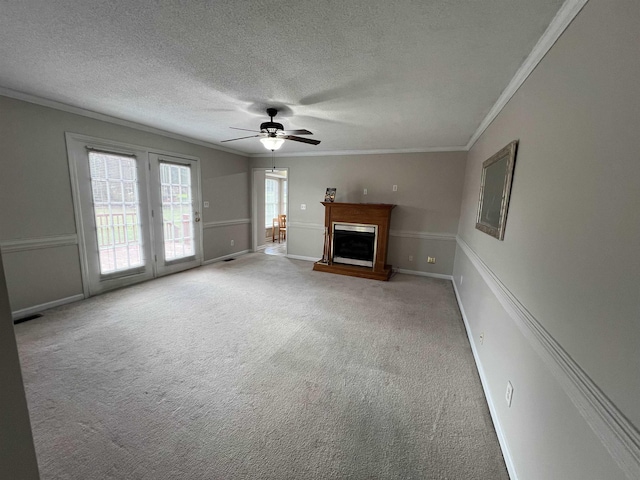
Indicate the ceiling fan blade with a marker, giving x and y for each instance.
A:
(245, 130)
(241, 138)
(297, 132)
(300, 139)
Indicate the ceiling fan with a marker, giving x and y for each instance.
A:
(273, 134)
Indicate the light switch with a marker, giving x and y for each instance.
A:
(395, 188)
(206, 204)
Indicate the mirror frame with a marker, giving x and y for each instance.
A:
(508, 152)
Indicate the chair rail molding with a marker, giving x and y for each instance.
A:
(226, 223)
(422, 235)
(36, 243)
(307, 225)
(618, 435)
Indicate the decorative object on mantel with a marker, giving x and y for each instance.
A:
(495, 189)
(330, 195)
(356, 240)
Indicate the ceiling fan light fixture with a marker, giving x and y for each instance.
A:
(272, 143)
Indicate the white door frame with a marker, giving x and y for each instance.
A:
(76, 152)
(255, 222)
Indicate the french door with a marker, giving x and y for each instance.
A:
(138, 212)
(175, 214)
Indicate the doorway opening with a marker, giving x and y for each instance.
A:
(270, 207)
(275, 207)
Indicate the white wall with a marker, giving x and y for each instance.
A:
(570, 258)
(37, 226)
(424, 223)
(17, 454)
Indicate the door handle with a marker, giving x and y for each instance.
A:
(197, 219)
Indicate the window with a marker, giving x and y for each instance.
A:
(114, 184)
(272, 201)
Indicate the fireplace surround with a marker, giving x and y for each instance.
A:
(358, 239)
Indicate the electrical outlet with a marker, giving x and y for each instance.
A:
(233, 242)
(482, 338)
(509, 394)
(206, 204)
(431, 259)
(411, 258)
(395, 188)
(303, 206)
(365, 191)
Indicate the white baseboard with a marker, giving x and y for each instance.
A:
(25, 312)
(423, 274)
(504, 446)
(261, 247)
(224, 257)
(306, 259)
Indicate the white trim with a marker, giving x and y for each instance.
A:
(618, 435)
(362, 152)
(226, 223)
(423, 274)
(260, 248)
(307, 225)
(224, 257)
(558, 25)
(502, 439)
(422, 235)
(25, 312)
(26, 97)
(36, 243)
(300, 257)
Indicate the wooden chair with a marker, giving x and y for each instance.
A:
(282, 227)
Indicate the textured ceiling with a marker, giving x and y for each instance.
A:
(360, 74)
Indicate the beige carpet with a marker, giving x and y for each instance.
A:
(259, 368)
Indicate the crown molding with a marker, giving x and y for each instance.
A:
(359, 152)
(558, 25)
(26, 97)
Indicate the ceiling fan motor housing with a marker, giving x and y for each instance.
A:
(270, 127)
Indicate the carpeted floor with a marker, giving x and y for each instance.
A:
(259, 368)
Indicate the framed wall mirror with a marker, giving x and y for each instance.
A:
(495, 189)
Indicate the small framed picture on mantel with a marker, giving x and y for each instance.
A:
(330, 195)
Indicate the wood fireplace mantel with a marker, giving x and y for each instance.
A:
(363, 213)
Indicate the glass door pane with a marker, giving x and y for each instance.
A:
(116, 208)
(177, 211)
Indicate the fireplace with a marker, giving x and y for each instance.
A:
(356, 240)
(354, 244)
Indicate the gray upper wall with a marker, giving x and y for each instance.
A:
(427, 199)
(571, 252)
